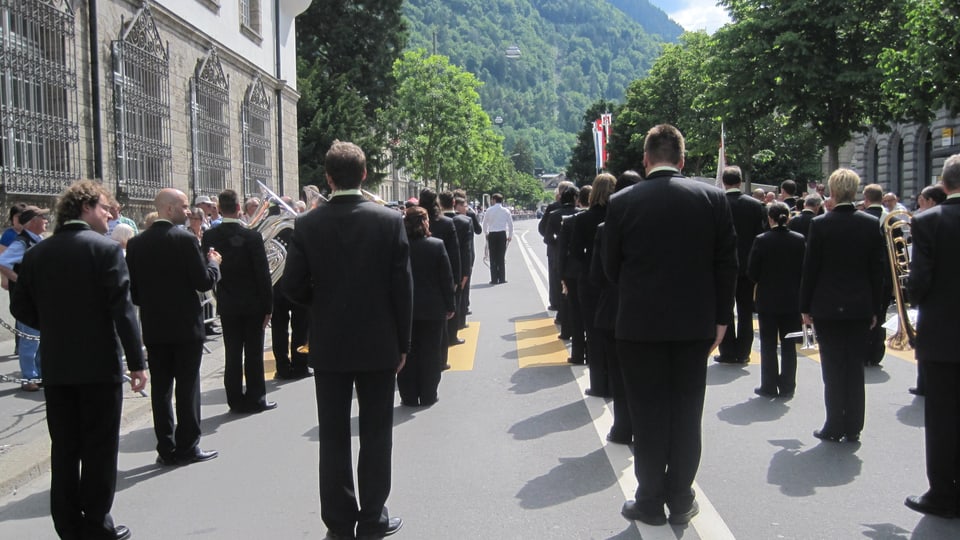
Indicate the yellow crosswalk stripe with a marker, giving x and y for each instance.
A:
(269, 365)
(537, 343)
(461, 357)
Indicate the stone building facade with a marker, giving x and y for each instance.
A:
(904, 159)
(195, 94)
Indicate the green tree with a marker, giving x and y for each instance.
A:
(522, 157)
(921, 75)
(346, 50)
(815, 62)
(441, 133)
(674, 92)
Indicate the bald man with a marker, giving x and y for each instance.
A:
(166, 271)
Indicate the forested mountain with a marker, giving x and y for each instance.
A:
(572, 54)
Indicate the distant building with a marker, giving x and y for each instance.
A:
(904, 160)
(195, 94)
(552, 180)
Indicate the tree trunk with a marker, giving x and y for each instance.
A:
(833, 158)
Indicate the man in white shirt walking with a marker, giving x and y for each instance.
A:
(498, 223)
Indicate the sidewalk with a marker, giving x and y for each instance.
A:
(24, 440)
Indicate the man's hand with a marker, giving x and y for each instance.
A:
(463, 282)
(138, 380)
(403, 361)
(214, 255)
(806, 318)
(266, 320)
(450, 314)
(873, 322)
(721, 330)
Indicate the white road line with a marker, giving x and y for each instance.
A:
(708, 523)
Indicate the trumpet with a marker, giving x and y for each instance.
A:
(808, 335)
(896, 232)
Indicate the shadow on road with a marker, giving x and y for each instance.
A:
(720, 374)
(754, 410)
(574, 477)
(800, 472)
(530, 380)
(567, 417)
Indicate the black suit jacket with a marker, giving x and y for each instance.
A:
(464, 227)
(433, 285)
(775, 263)
(933, 283)
(245, 287)
(350, 263)
(74, 287)
(166, 272)
(555, 220)
(801, 223)
(583, 235)
(443, 228)
(748, 218)
(672, 250)
(542, 224)
(843, 266)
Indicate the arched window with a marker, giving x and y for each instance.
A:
(141, 103)
(39, 133)
(209, 115)
(256, 139)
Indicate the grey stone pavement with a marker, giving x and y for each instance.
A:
(512, 450)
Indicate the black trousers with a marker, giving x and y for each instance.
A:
(665, 384)
(622, 428)
(420, 377)
(453, 325)
(84, 425)
(463, 305)
(243, 358)
(573, 322)
(589, 294)
(175, 369)
(340, 507)
(778, 376)
(877, 339)
(738, 340)
(843, 347)
(941, 410)
(285, 342)
(497, 244)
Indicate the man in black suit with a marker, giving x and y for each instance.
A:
(461, 207)
(464, 229)
(788, 194)
(568, 200)
(748, 218)
(166, 272)
(289, 325)
(75, 286)
(877, 345)
(676, 291)
(244, 301)
(934, 287)
(350, 262)
(811, 209)
(442, 227)
(553, 280)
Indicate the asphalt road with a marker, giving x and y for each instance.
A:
(512, 450)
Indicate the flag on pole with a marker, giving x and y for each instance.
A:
(599, 144)
(721, 159)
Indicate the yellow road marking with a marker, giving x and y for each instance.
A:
(269, 365)
(460, 357)
(537, 344)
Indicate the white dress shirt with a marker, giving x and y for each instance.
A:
(498, 219)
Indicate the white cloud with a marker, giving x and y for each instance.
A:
(694, 15)
(700, 15)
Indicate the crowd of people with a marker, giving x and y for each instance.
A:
(648, 275)
(685, 267)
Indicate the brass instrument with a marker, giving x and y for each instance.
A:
(896, 232)
(269, 225)
(808, 335)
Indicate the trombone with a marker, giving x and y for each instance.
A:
(896, 233)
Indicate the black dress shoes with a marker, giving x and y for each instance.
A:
(852, 437)
(198, 456)
(264, 406)
(721, 360)
(121, 532)
(923, 504)
(824, 436)
(573, 360)
(457, 341)
(765, 393)
(333, 535)
(679, 518)
(632, 511)
(596, 393)
(915, 391)
(166, 461)
(393, 525)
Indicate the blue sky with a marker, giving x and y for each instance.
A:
(694, 14)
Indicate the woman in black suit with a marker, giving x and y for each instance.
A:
(432, 305)
(774, 265)
(840, 294)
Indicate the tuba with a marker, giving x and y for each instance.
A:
(896, 232)
(270, 224)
